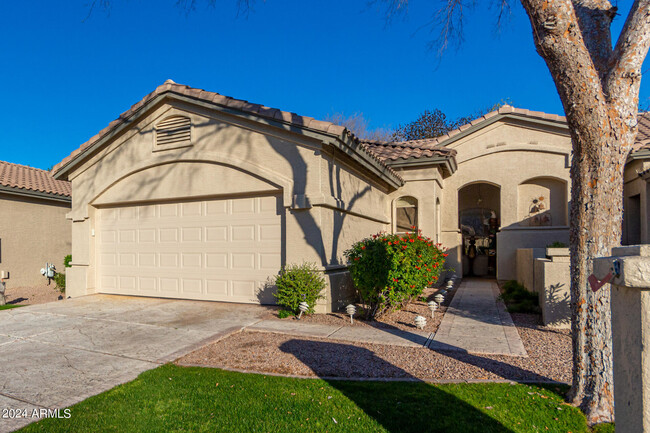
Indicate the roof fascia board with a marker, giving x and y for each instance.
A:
(498, 117)
(640, 154)
(319, 135)
(449, 162)
(34, 194)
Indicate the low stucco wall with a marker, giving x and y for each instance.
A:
(33, 232)
(526, 266)
(553, 283)
(509, 240)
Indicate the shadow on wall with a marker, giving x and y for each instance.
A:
(240, 142)
(557, 306)
(397, 407)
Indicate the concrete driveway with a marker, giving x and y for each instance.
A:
(57, 354)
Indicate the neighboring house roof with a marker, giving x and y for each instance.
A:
(32, 181)
(236, 105)
(643, 135)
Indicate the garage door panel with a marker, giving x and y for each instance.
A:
(220, 250)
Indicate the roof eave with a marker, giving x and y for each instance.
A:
(502, 116)
(383, 172)
(447, 161)
(34, 194)
(639, 154)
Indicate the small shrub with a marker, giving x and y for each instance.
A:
(389, 271)
(557, 244)
(299, 283)
(59, 277)
(283, 314)
(519, 299)
(59, 280)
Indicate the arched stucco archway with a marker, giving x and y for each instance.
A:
(479, 211)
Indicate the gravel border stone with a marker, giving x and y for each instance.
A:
(549, 358)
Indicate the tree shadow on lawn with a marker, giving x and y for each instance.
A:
(399, 406)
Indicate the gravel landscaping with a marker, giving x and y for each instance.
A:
(549, 357)
(402, 319)
(32, 294)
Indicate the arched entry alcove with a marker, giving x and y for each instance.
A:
(479, 213)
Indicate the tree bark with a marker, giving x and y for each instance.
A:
(599, 90)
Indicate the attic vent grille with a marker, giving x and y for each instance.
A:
(174, 131)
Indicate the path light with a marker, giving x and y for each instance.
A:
(443, 292)
(439, 298)
(450, 284)
(351, 310)
(303, 307)
(420, 322)
(433, 306)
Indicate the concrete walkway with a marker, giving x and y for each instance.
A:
(477, 322)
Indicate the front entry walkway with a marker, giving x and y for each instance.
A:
(478, 322)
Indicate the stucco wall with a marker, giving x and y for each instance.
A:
(636, 205)
(525, 265)
(32, 232)
(328, 200)
(424, 185)
(507, 154)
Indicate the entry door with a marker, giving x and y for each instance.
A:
(219, 250)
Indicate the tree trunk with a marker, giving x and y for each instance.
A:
(596, 221)
(599, 89)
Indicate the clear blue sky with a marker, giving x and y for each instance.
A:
(63, 78)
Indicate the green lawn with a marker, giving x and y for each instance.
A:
(9, 306)
(177, 399)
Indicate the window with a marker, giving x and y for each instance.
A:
(406, 214)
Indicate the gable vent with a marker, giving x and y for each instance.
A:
(174, 131)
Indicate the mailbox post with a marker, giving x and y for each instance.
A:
(630, 302)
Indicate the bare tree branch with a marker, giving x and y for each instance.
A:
(629, 53)
(595, 20)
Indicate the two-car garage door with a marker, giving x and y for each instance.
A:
(221, 250)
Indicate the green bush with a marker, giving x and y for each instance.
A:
(59, 280)
(557, 244)
(299, 283)
(283, 314)
(388, 271)
(59, 277)
(518, 298)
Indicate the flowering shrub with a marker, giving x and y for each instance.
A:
(299, 283)
(390, 270)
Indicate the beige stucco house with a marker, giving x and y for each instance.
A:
(191, 194)
(34, 229)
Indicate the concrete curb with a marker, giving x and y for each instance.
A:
(376, 379)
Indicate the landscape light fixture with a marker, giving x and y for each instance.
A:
(351, 310)
(433, 306)
(420, 322)
(303, 307)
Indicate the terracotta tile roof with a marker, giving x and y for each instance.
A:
(408, 149)
(235, 104)
(643, 134)
(32, 179)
